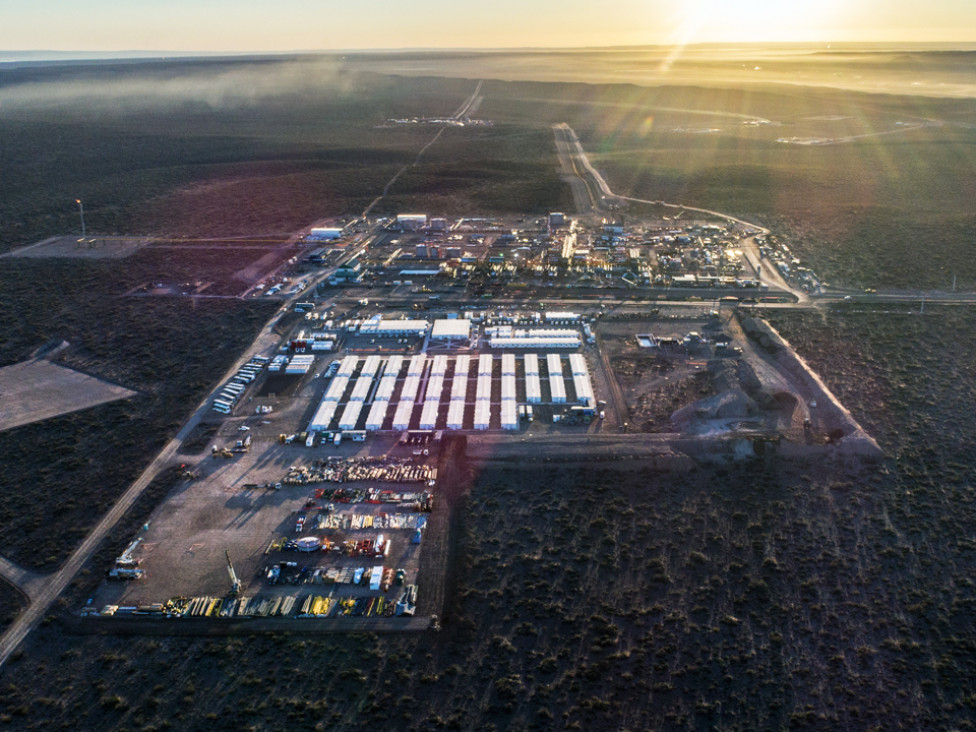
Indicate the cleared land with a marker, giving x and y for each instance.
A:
(36, 390)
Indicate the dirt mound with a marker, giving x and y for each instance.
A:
(730, 404)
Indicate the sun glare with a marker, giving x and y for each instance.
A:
(757, 20)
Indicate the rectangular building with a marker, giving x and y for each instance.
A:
(350, 416)
(459, 388)
(323, 416)
(376, 416)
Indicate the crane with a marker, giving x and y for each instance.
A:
(235, 583)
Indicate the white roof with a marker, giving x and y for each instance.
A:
(377, 414)
(485, 363)
(533, 388)
(401, 420)
(371, 366)
(393, 366)
(428, 417)
(448, 328)
(347, 366)
(455, 415)
(462, 364)
(440, 366)
(459, 388)
(484, 387)
(531, 363)
(401, 326)
(508, 363)
(434, 388)
(410, 386)
(508, 388)
(323, 416)
(578, 363)
(337, 388)
(500, 342)
(416, 367)
(555, 363)
(510, 419)
(384, 392)
(360, 389)
(350, 416)
(482, 415)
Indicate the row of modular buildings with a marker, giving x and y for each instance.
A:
(400, 393)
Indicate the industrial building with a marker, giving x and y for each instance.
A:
(411, 222)
(451, 329)
(324, 234)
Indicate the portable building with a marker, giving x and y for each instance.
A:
(428, 416)
(393, 366)
(348, 366)
(434, 388)
(350, 415)
(508, 387)
(557, 386)
(455, 415)
(484, 388)
(323, 416)
(401, 419)
(337, 388)
(533, 388)
(459, 387)
(384, 391)
(508, 364)
(376, 416)
(485, 363)
(510, 420)
(439, 367)
(410, 386)
(531, 363)
(482, 414)
(584, 389)
(577, 364)
(416, 367)
(370, 366)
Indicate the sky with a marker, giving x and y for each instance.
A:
(308, 25)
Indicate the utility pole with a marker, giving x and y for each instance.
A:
(81, 211)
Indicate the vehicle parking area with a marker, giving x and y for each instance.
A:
(304, 529)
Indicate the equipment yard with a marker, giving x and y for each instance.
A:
(285, 539)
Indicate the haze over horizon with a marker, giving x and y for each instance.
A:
(248, 26)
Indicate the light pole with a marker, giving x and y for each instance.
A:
(81, 211)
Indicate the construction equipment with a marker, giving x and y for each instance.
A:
(220, 452)
(125, 559)
(235, 583)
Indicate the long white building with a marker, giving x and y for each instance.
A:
(459, 387)
(557, 386)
